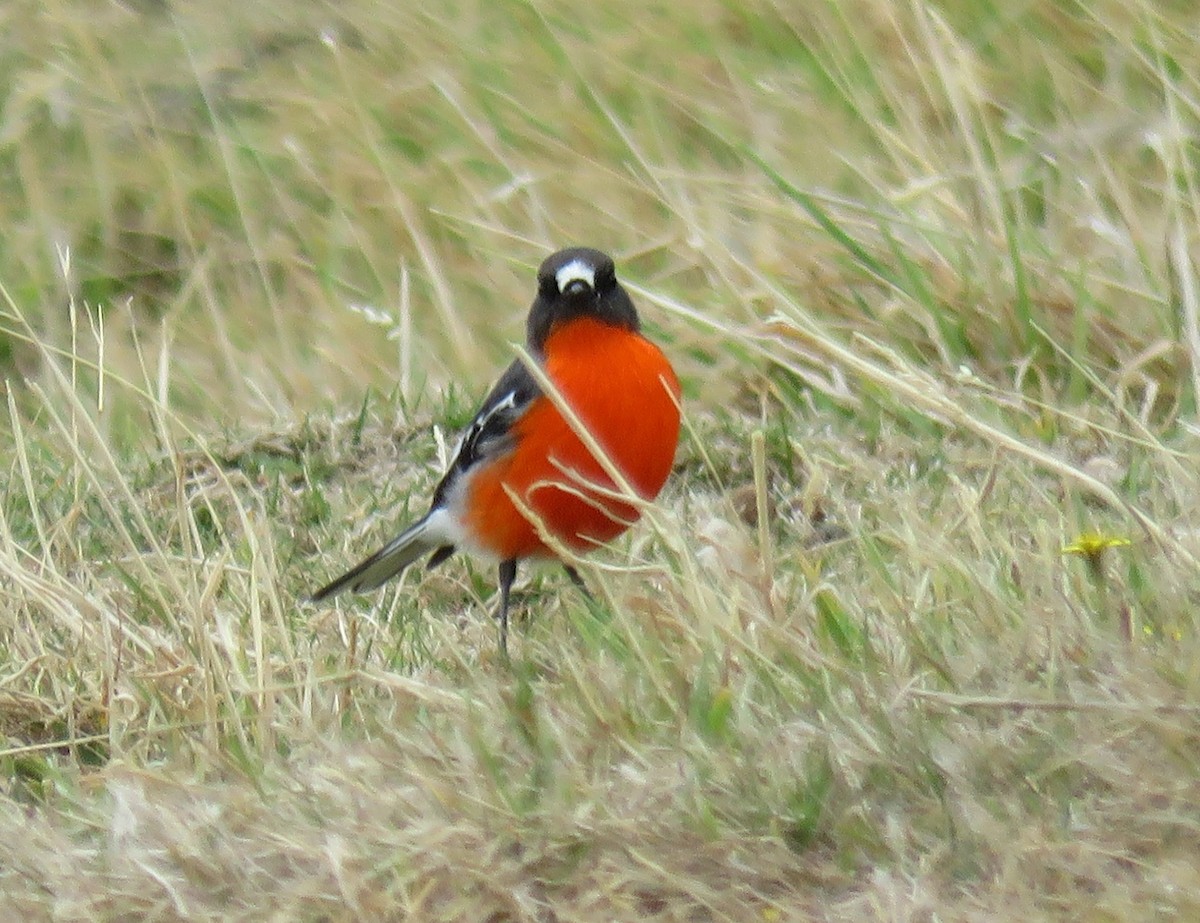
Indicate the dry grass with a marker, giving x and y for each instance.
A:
(928, 276)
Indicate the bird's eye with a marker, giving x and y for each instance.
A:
(606, 278)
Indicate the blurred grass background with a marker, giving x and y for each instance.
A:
(927, 271)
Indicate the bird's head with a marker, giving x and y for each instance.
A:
(578, 282)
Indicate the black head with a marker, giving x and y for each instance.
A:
(574, 283)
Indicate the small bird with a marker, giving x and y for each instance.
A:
(521, 474)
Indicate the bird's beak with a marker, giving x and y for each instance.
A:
(577, 287)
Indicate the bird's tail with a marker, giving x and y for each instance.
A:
(421, 537)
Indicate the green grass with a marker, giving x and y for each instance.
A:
(927, 273)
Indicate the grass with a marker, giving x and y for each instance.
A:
(912, 632)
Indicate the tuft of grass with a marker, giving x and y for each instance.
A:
(913, 625)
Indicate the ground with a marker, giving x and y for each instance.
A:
(912, 632)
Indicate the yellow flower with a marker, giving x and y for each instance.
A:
(1091, 547)
(1094, 544)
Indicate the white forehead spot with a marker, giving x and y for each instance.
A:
(575, 271)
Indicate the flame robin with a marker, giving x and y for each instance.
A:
(521, 472)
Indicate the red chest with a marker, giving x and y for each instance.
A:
(624, 391)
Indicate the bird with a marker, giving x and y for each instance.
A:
(521, 479)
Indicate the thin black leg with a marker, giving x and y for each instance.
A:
(578, 581)
(508, 573)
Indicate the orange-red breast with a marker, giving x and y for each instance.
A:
(584, 333)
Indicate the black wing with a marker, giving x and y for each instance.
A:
(490, 433)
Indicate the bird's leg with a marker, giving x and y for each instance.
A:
(508, 573)
(578, 581)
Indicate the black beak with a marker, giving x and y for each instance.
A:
(577, 287)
